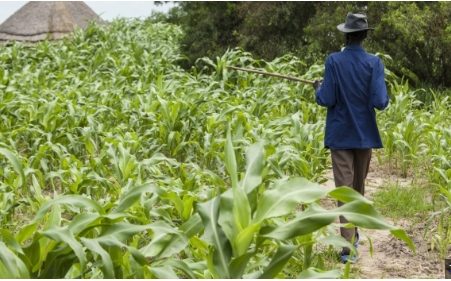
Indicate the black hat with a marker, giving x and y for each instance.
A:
(354, 22)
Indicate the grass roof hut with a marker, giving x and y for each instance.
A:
(37, 19)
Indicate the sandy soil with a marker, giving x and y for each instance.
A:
(392, 258)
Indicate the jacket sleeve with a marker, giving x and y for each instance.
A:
(325, 95)
(378, 88)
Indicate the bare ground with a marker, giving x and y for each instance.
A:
(392, 258)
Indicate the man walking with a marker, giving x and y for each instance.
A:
(353, 86)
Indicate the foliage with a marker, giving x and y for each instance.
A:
(322, 35)
(417, 35)
(272, 29)
(404, 202)
(209, 27)
(265, 29)
(123, 165)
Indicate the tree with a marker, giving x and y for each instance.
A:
(272, 29)
(209, 27)
(322, 35)
(266, 29)
(417, 35)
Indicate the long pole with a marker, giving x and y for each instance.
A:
(271, 74)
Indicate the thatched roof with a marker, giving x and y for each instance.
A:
(36, 19)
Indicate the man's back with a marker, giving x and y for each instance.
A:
(353, 86)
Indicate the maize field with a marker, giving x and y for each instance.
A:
(117, 163)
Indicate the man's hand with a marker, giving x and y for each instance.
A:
(317, 84)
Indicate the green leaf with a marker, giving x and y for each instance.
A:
(9, 260)
(94, 246)
(214, 235)
(401, 234)
(230, 160)
(11, 241)
(5, 273)
(311, 273)
(192, 226)
(63, 234)
(238, 265)
(241, 209)
(188, 207)
(122, 231)
(123, 215)
(16, 165)
(80, 221)
(369, 241)
(226, 217)
(346, 195)
(244, 239)
(253, 275)
(282, 200)
(12, 263)
(157, 158)
(25, 232)
(182, 266)
(337, 241)
(37, 188)
(126, 162)
(54, 217)
(178, 203)
(210, 264)
(198, 266)
(278, 261)
(164, 272)
(254, 167)
(88, 141)
(158, 243)
(135, 193)
(357, 212)
(224, 112)
(275, 167)
(180, 240)
(111, 241)
(307, 222)
(74, 200)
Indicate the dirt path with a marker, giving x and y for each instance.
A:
(392, 258)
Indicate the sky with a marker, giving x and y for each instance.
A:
(108, 10)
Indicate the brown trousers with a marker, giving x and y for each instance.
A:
(350, 167)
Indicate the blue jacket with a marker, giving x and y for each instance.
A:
(353, 86)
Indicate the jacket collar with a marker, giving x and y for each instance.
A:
(355, 48)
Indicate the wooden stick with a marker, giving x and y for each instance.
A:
(271, 74)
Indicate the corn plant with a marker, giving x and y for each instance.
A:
(123, 165)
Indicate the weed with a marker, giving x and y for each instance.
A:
(396, 201)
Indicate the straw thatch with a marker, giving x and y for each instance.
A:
(37, 19)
